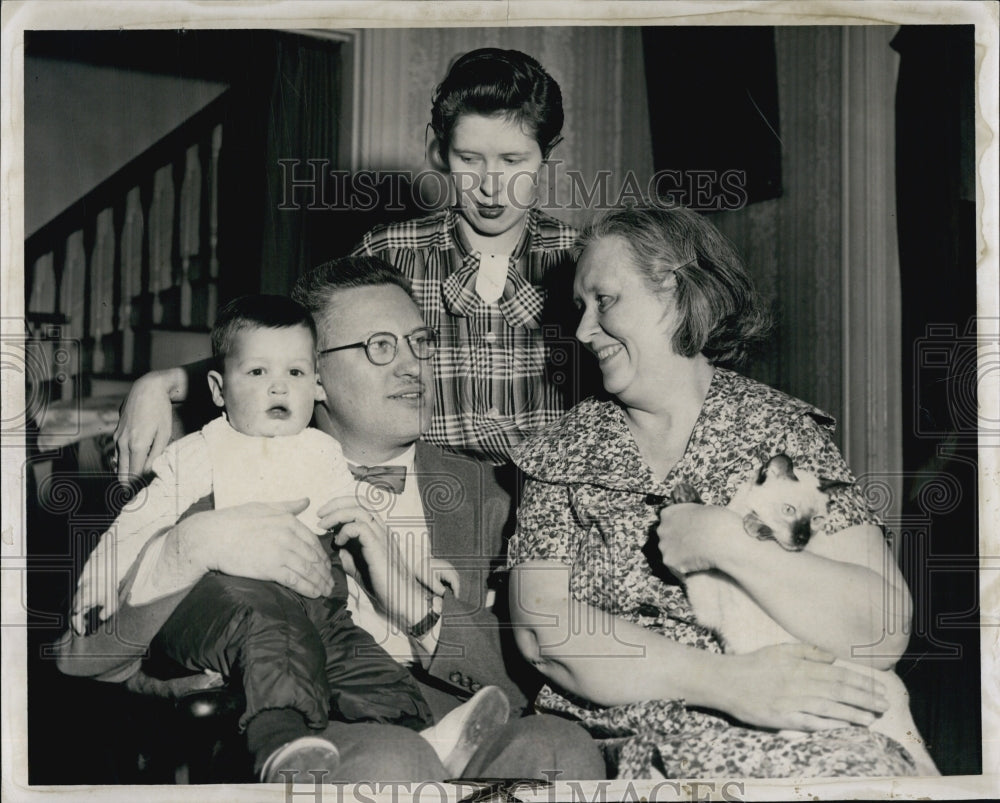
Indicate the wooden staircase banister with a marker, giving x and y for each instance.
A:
(136, 255)
(105, 194)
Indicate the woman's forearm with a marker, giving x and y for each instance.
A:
(172, 383)
(176, 382)
(146, 419)
(610, 661)
(851, 610)
(599, 656)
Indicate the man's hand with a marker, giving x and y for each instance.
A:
(145, 421)
(260, 541)
(797, 686)
(395, 587)
(695, 537)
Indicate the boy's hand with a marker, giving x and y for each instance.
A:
(442, 577)
(96, 588)
(92, 592)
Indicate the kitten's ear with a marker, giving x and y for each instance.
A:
(762, 474)
(763, 458)
(781, 466)
(828, 486)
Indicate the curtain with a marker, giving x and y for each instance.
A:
(713, 107)
(302, 126)
(936, 208)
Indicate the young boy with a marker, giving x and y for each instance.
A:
(262, 449)
(481, 270)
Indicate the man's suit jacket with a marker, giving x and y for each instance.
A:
(467, 513)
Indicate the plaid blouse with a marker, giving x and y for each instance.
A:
(502, 370)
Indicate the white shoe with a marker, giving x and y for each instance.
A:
(308, 759)
(462, 730)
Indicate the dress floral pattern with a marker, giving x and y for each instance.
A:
(591, 502)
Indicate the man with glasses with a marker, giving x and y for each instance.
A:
(373, 347)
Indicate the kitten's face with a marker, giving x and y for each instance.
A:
(792, 509)
(789, 504)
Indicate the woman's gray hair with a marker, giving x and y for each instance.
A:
(721, 315)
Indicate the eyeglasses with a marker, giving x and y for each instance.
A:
(381, 347)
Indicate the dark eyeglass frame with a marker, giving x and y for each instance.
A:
(366, 345)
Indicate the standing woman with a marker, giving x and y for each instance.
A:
(480, 269)
(665, 303)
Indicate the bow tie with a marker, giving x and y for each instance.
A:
(520, 304)
(389, 478)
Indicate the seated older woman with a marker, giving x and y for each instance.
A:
(665, 303)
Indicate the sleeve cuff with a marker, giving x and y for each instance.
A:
(426, 633)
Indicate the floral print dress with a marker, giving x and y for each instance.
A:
(591, 502)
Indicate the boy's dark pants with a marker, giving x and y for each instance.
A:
(300, 660)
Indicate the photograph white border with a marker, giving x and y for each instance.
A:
(303, 14)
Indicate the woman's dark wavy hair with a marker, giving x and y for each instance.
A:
(492, 81)
(721, 315)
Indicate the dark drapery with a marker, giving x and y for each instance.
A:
(288, 98)
(303, 125)
(713, 103)
(935, 186)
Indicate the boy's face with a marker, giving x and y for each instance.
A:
(269, 384)
(494, 164)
